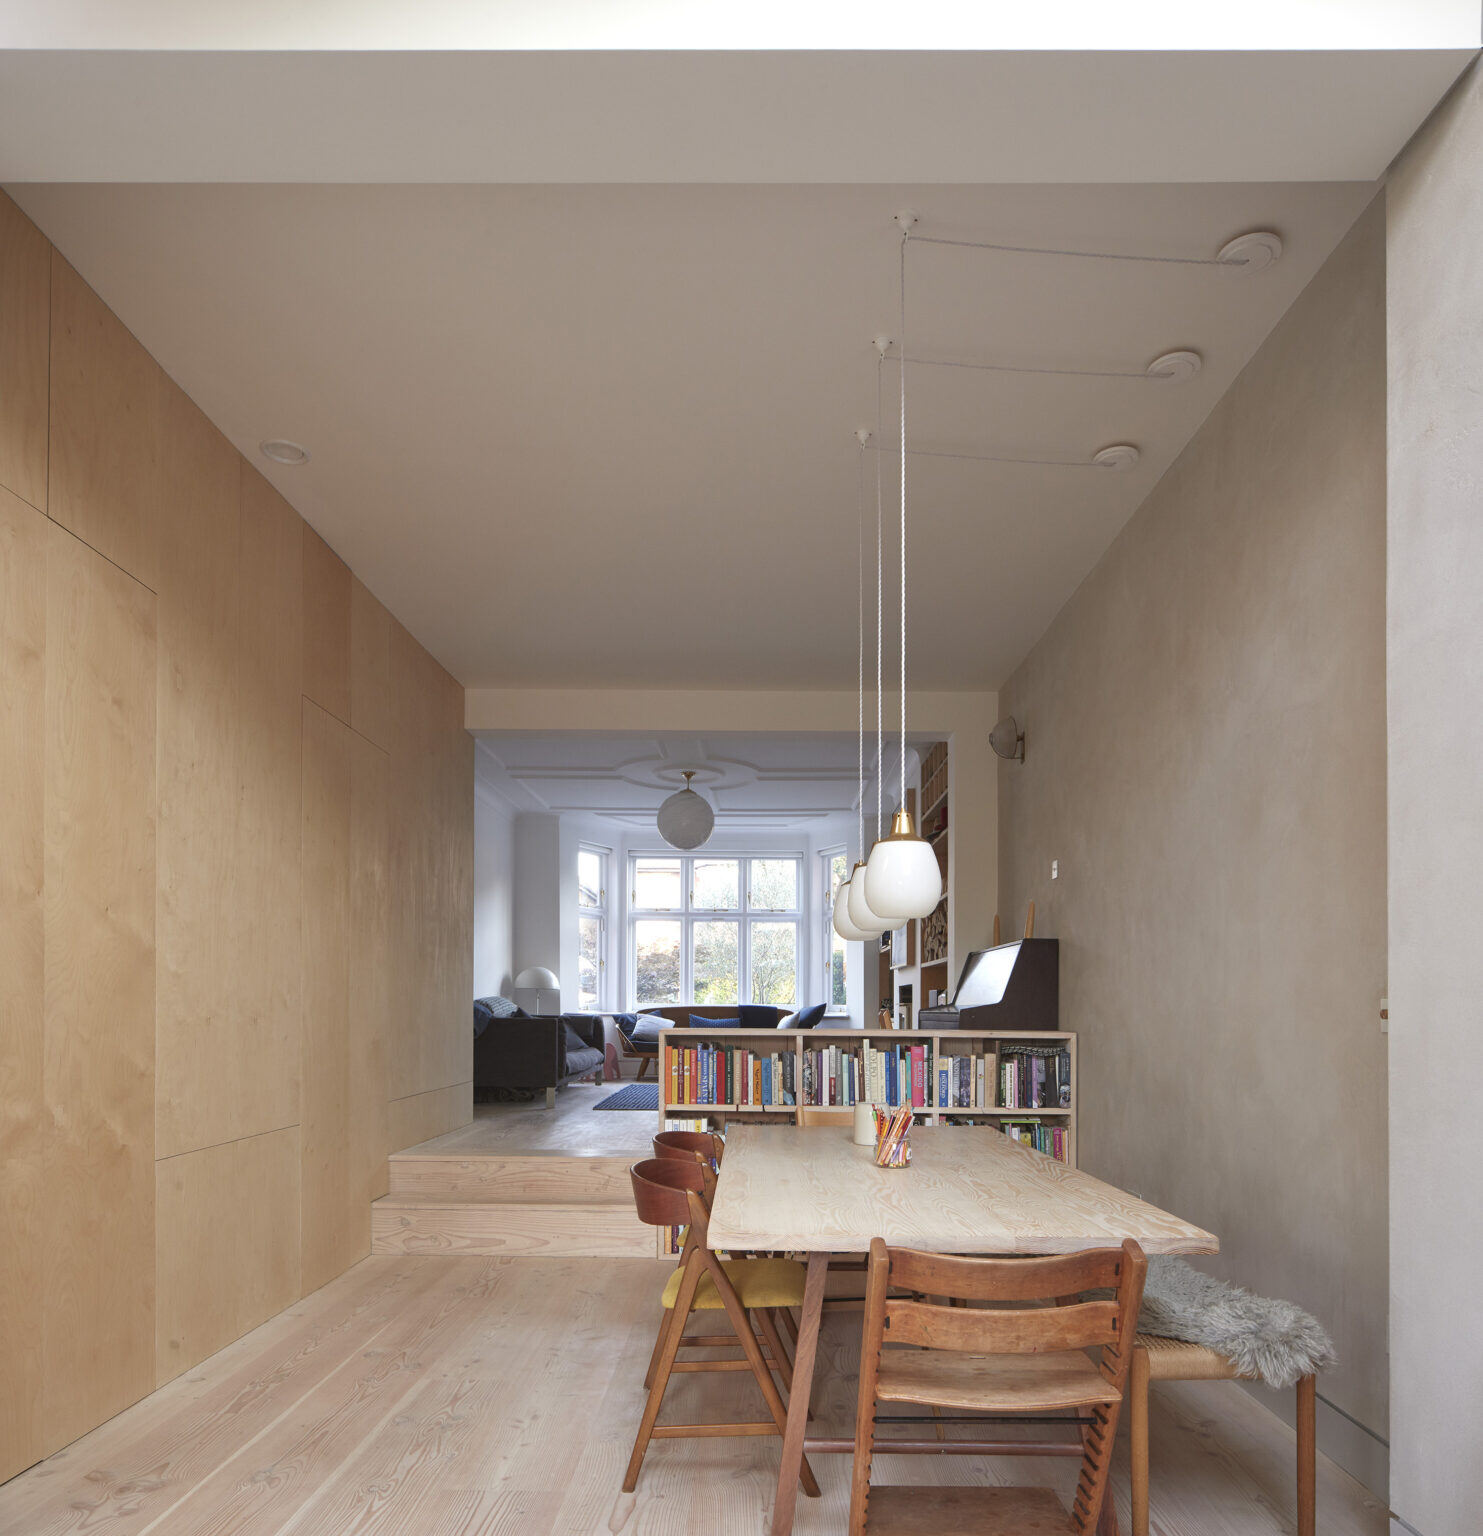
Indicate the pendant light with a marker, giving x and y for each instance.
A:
(685, 820)
(851, 891)
(902, 878)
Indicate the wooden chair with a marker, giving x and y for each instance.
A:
(1160, 1359)
(1020, 1360)
(670, 1192)
(702, 1147)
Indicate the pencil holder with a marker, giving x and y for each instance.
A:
(892, 1138)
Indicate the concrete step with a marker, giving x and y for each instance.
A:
(513, 1180)
(440, 1224)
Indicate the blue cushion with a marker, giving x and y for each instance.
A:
(757, 1015)
(805, 1018)
(488, 1009)
(696, 1022)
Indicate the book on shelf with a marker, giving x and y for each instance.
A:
(1053, 1139)
(1034, 1076)
(715, 1073)
(1042, 1136)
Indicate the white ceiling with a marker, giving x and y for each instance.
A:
(762, 24)
(587, 435)
(753, 782)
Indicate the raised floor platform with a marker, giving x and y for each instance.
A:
(521, 1180)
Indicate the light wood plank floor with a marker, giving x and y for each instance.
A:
(569, 1130)
(490, 1397)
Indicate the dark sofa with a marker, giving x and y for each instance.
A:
(540, 1051)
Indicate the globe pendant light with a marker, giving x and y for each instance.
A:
(685, 820)
(853, 920)
(902, 878)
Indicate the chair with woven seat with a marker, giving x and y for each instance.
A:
(1031, 1359)
(670, 1192)
(1160, 1359)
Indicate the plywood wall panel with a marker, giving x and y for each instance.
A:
(264, 977)
(325, 1094)
(24, 534)
(421, 1116)
(98, 1257)
(326, 627)
(25, 327)
(369, 992)
(203, 1056)
(370, 666)
(105, 429)
(227, 1244)
(432, 874)
(235, 878)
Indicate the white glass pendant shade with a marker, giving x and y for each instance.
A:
(902, 879)
(685, 820)
(842, 924)
(861, 913)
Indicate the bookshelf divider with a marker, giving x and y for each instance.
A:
(709, 1077)
(1023, 1083)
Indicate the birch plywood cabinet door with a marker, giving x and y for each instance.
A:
(24, 534)
(98, 1258)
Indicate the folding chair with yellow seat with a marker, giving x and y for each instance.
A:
(670, 1192)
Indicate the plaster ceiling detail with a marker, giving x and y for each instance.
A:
(777, 782)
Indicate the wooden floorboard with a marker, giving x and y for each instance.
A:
(572, 1129)
(483, 1396)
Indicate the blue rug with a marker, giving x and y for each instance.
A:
(633, 1096)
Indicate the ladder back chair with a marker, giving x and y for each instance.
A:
(1005, 1359)
(670, 1192)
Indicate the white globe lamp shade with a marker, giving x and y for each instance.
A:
(842, 924)
(685, 820)
(902, 879)
(861, 914)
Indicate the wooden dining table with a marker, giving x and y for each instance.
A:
(967, 1190)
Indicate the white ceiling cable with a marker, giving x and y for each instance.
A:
(1153, 374)
(860, 619)
(1051, 250)
(905, 237)
(880, 810)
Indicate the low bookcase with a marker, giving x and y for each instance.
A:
(1024, 1085)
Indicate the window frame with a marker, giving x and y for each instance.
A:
(604, 857)
(688, 915)
(831, 940)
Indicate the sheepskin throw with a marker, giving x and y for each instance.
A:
(1273, 1341)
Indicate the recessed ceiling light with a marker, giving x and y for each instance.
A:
(281, 451)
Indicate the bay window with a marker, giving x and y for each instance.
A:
(713, 929)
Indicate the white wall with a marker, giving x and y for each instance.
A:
(536, 895)
(494, 878)
(1434, 605)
